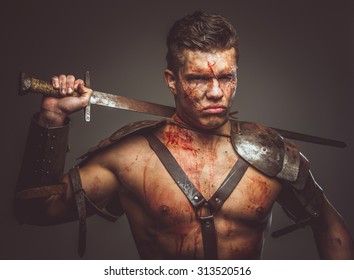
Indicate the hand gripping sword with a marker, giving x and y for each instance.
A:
(29, 84)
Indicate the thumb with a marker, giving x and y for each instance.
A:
(84, 92)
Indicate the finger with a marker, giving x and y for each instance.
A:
(55, 82)
(70, 79)
(77, 83)
(62, 84)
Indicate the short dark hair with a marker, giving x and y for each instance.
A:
(199, 31)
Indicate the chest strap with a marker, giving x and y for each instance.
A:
(195, 198)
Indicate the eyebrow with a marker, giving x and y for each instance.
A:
(209, 75)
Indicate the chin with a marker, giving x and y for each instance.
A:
(211, 123)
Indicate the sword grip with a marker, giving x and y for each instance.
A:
(29, 84)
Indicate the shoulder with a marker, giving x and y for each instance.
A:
(127, 135)
(266, 150)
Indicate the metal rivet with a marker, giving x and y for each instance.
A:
(264, 149)
(52, 148)
(217, 200)
(196, 197)
(207, 224)
(53, 136)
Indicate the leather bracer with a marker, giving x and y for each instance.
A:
(43, 162)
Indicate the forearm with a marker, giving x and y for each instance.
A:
(50, 118)
(332, 235)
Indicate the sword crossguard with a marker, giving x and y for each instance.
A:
(87, 111)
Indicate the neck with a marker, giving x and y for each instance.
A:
(179, 134)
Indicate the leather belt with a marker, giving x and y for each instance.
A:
(196, 199)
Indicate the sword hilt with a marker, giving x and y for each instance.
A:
(29, 84)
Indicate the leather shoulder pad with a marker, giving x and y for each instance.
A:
(266, 150)
(130, 129)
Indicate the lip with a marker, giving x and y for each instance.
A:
(214, 109)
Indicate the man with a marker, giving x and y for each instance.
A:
(198, 185)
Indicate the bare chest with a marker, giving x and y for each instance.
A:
(249, 202)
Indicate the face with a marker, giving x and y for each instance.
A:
(204, 87)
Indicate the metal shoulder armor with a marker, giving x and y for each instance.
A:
(266, 150)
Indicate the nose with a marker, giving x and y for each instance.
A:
(214, 91)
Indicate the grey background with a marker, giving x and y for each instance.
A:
(295, 72)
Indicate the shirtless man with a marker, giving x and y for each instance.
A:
(166, 223)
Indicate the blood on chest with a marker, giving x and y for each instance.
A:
(168, 205)
(253, 198)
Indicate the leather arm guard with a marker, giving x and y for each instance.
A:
(41, 176)
(43, 162)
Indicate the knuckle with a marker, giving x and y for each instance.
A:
(62, 80)
(55, 81)
(70, 78)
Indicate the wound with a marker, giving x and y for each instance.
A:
(210, 66)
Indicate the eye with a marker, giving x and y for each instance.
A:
(227, 78)
(197, 79)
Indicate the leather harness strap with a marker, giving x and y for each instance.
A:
(82, 201)
(79, 194)
(195, 197)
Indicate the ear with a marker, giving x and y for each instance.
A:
(170, 80)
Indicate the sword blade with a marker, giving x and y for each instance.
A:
(125, 103)
(29, 84)
(310, 138)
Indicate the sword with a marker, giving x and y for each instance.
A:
(29, 84)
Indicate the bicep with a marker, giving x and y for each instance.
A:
(99, 183)
(100, 186)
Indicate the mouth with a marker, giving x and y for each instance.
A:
(214, 109)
